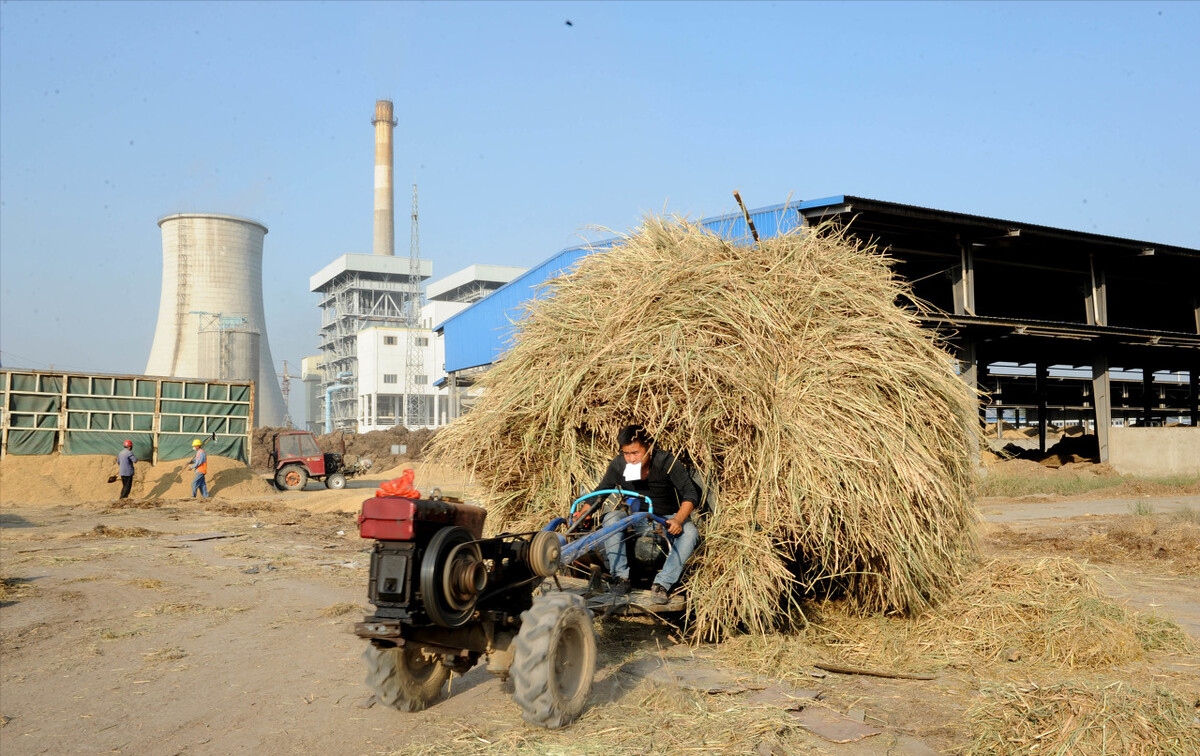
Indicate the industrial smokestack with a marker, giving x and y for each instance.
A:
(385, 237)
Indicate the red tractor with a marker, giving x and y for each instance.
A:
(296, 457)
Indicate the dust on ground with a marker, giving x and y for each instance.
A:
(123, 633)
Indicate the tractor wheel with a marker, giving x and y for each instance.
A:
(291, 478)
(555, 660)
(336, 481)
(402, 678)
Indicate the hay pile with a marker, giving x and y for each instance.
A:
(829, 426)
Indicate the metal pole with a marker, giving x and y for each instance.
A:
(1043, 374)
(1103, 402)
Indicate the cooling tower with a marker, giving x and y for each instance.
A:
(212, 272)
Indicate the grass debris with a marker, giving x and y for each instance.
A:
(1082, 720)
(106, 531)
(1043, 613)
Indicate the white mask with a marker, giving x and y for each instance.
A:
(633, 472)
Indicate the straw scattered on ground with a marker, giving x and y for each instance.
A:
(650, 720)
(1161, 542)
(829, 427)
(1040, 612)
(1037, 614)
(1081, 720)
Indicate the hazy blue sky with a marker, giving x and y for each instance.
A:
(523, 131)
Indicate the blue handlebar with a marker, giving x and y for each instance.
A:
(605, 492)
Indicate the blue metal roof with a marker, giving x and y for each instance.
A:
(480, 334)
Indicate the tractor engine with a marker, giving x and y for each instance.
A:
(427, 566)
(445, 596)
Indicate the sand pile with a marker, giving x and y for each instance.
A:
(57, 478)
(829, 426)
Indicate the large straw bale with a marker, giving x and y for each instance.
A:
(829, 426)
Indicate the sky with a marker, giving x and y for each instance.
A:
(526, 133)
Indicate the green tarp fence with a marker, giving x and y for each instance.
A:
(171, 446)
(109, 443)
(23, 442)
(97, 413)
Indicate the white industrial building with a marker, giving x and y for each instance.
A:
(378, 355)
(383, 361)
(359, 292)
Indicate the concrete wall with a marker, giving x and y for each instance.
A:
(1155, 451)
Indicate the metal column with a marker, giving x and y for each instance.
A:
(964, 281)
(1043, 374)
(1147, 395)
(1103, 402)
(1194, 398)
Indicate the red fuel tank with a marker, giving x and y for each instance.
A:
(396, 519)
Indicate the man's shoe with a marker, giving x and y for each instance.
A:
(659, 595)
(619, 587)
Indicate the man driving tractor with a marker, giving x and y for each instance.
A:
(658, 474)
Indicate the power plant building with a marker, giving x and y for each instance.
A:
(380, 363)
(211, 323)
(384, 394)
(358, 292)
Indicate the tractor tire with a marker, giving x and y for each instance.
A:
(291, 478)
(335, 481)
(555, 660)
(402, 678)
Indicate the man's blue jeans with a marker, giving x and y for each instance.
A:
(681, 549)
(199, 483)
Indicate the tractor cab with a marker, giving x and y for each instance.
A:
(296, 457)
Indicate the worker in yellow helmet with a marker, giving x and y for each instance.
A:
(199, 463)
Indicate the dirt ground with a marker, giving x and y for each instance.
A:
(173, 626)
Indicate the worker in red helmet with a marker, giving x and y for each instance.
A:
(125, 462)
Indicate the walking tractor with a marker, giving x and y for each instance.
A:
(445, 596)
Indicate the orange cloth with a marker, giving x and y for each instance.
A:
(202, 468)
(401, 487)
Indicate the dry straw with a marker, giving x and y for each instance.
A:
(1080, 720)
(827, 423)
(1036, 612)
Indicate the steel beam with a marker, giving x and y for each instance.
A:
(1043, 376)
(1147, 395)
(1101, 386)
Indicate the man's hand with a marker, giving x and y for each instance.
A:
(675, 524)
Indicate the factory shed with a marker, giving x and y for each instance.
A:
(1057, 327)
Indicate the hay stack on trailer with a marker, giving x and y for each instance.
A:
(830, 428)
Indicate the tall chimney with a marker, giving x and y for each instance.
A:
(385, 238)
